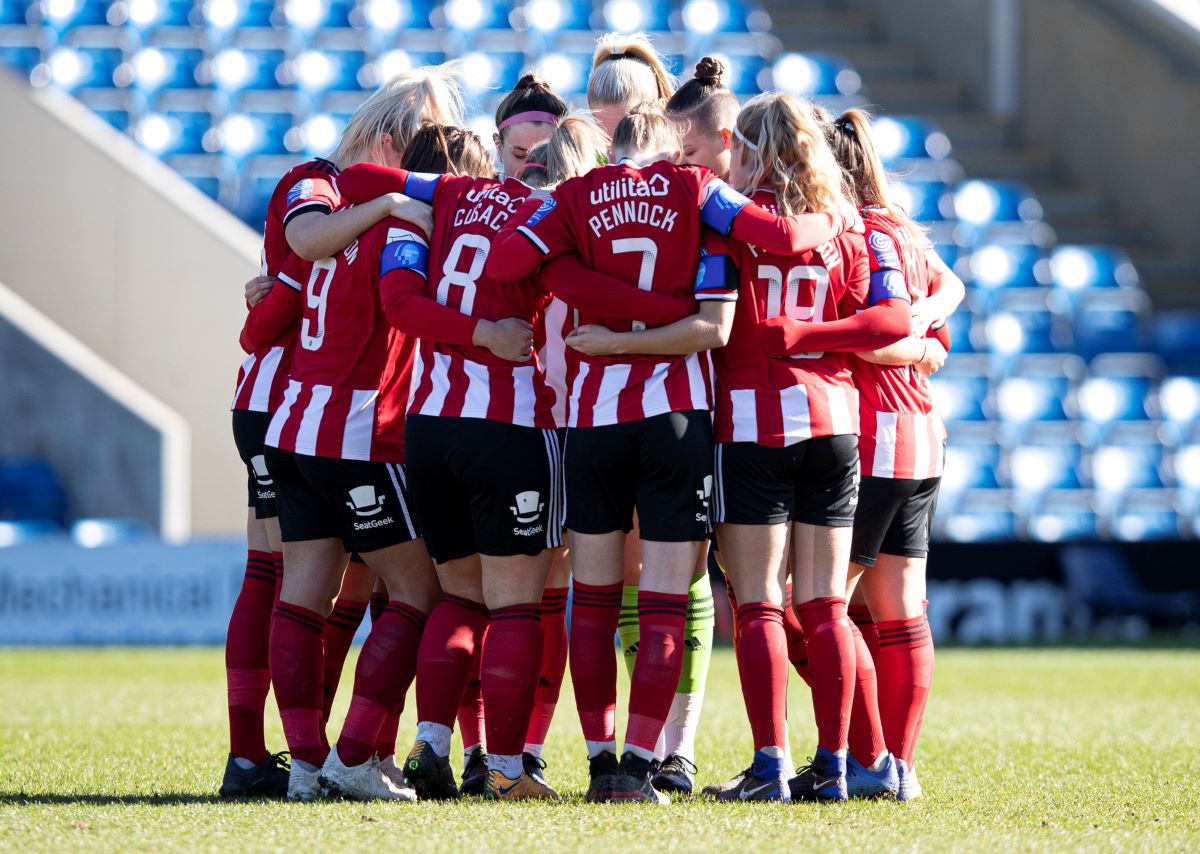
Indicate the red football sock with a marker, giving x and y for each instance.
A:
(385, 745)
(340, 627)
(733, 609)
(860, 615)
(797, 647)
(866, 732)
(386, 667)
(905, 674)
(762, 667)
(554, 663)
(452, 633)
(831, 660)
(247, 665)
(470, 707)
(379, 601)
(595, 609)
(661, 620)
(508, 674)
(296, 673)
(277, 559)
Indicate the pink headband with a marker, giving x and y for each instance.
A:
(548, 118)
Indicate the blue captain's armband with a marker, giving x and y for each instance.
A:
(722, 206)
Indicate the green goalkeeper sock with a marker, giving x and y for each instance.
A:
(697, 636)
(627, 626)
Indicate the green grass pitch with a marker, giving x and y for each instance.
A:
(122, 749)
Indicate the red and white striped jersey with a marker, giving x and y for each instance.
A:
(639, 224)
(308, 187)
(461, 380)
(902, 434)
(557, 359)
(780, 401)
(351, 373)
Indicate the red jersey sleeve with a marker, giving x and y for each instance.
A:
(274, 313)
(402, 289)
(544, 232)
(582, 288)
(311, 193)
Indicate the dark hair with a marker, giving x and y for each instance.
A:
(446, 148)
(705, 99)
(532, 94)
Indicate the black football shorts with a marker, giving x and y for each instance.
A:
(661, 465)
(249, 434)
(893, 517)
(364, 504)
(484, 486)
(814, 482)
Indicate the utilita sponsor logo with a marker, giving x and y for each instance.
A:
(374, 523)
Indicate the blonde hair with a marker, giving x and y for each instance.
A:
(853, 144)
(646, 128)
(399, 107)
(535, 173)
(577, 146)
(785, 146)
(626, 69)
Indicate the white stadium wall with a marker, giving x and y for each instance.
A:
(141, 267)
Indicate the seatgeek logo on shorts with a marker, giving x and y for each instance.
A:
(704, 495)
(364, 502)
(528, 507)
(260, 471)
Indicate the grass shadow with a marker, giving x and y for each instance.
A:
(88, 799)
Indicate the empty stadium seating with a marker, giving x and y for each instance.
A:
(1073, 411)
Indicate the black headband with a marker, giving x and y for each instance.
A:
(626, 55)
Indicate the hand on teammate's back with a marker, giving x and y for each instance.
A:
(418, 213)
(510, 338)
(257, 288)
(925, 313)
(592, 339)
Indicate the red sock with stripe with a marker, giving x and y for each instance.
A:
(661, 621)
(508, 675)
(554, 665)
(296, 667)
(830, 644)
(385, 745)
(470, 707)
(386, 667)
(340, 627)
(452, 633)
(796, 645)
(866, 732)
(762, 667)
(277, 559)
(733, 609)
(247, 662)
(905, 674)
(595, 609)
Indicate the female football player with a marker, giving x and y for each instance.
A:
(902, 449)
(639, 427)
(626, 71)
(304, 195)
(485, 472)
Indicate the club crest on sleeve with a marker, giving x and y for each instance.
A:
(300, 191)
(541, 212)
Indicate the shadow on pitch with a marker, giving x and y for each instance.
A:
(164, 799)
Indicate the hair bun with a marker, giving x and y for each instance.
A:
(710, 70)
(531, 81)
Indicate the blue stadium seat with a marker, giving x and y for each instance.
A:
(1145, 514)
(1023, 321)
(68, 14)
(119, 119)
(981, 203)
(627, 16)
(1035, 468)
(1120, 388)
(1108, 320)
(1015, 265)
(744, 72)
(165, 68)
(80, 68)
(208, 173)
(899, 139)
(568, 70)
(982, 515)
(324, 70)
(962, 327)
(1063, 515)
(551, 16)
(175, 132)
(29, 489)
(1179, 404)
(491, 72)
(1075, 268)
(235, 69)
(153, 14)
(12, 12)
(470, 15)
(960, 396)
(1177, 340)
(25, 58)
(1114, 469)
(972, 458)
(20, 533)
(97, 533)
(814, 75)
(924, 201)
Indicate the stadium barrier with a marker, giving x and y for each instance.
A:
(57, 593)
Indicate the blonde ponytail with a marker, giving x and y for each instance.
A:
(577, 146)
(398, 108)
(646, 128)
(626, 69)
(785, 147)
(853, 144)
